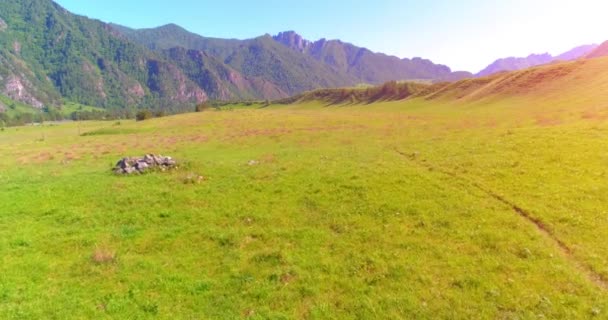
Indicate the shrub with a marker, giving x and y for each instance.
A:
(143, 115)
(202, 107)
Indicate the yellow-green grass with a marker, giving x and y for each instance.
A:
(488, 208)
(69, 107)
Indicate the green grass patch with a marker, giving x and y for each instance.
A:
(111, 131)
(308, 211)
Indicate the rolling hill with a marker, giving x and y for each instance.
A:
(578, 81)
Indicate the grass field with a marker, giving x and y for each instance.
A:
(428, 209)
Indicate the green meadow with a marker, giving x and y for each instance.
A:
(407, 209)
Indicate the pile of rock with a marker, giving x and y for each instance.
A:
(133, 165)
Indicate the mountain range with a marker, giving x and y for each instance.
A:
(49, 56)
(292, 63)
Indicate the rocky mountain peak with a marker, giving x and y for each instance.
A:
(292, 40)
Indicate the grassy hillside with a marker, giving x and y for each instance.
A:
(579, 81)
(482, 199)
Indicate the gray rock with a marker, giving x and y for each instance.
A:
(149, 159)
(158, 160)
(142, 166)
(133, 165)
(129, 170)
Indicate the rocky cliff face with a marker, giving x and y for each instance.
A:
(17, 89)
(20, 83)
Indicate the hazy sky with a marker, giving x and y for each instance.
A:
(464, 34)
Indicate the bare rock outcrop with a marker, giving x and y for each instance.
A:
(16, 88)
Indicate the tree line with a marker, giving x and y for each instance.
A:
(49, 114)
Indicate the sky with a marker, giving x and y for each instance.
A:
(463, 34)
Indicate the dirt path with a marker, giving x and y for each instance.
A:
(598, 279)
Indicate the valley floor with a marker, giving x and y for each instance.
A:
(414, 209)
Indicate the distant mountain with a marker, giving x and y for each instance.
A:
(219, 80)
(171, 36)
(294, 63)
(363, 64)
(600, 51)
(514, 64)
(260, 58)
(576, 53)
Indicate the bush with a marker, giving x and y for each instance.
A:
(202, 107)
(143, 115)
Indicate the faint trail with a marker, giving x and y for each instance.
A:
(598, 279)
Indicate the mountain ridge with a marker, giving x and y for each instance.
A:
(365, 64)
(533, 60)
(600, 51)
(351, 64)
